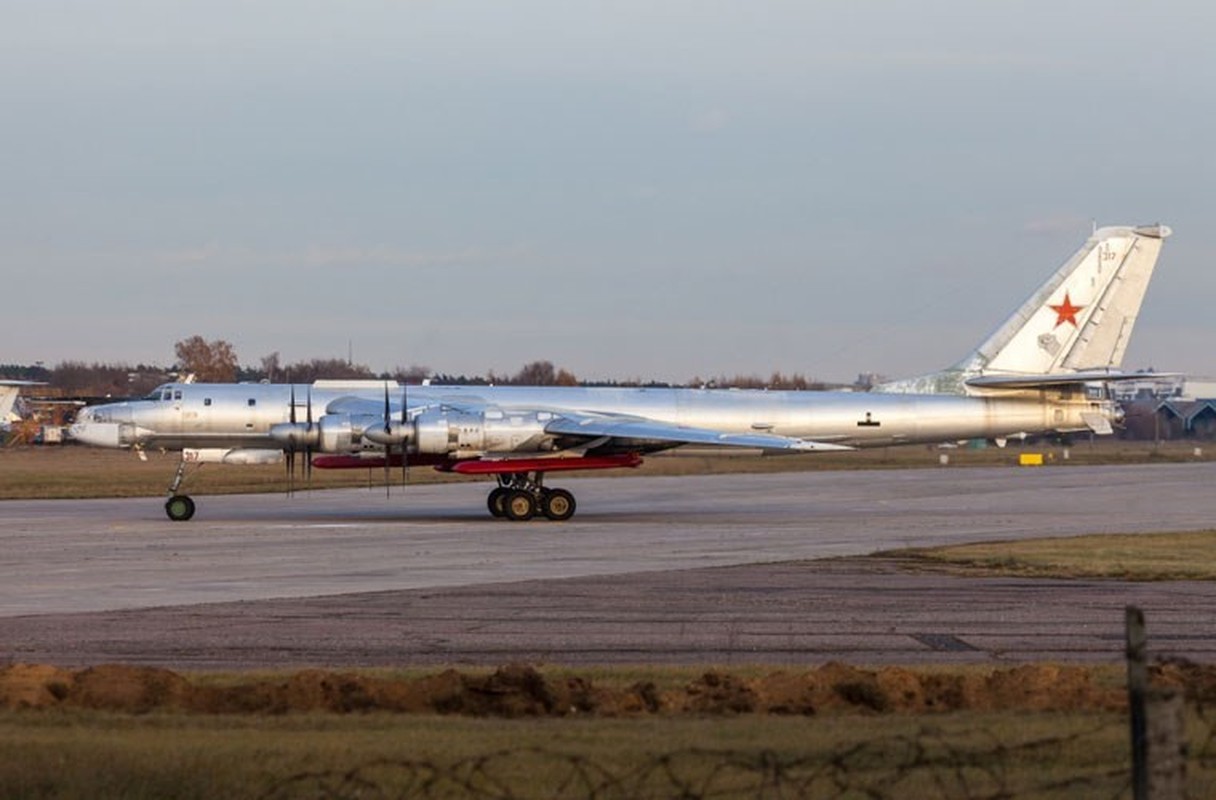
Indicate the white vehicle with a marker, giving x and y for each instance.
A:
(1044, 370)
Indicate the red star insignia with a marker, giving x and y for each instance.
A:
(1066, 311)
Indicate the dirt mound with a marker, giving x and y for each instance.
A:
(1196, 681)
(522, 691)
(33, 686)
(122, 688)
(840, 687)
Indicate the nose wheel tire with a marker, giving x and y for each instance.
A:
(179, 507)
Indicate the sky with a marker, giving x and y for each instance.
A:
(655, 190)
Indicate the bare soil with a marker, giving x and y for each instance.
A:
(523, 691)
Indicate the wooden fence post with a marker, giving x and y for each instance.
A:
(1137, 688)
(1166, 744)
(1158, 724)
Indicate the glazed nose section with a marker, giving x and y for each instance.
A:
(103, 426)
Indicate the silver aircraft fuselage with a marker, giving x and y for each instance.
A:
(185, 415)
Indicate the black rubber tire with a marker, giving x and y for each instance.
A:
(557, 504)
(179, 508)
(497, 501)
(520, 506)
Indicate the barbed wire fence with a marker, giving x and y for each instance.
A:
(922, 765)
(931, 762)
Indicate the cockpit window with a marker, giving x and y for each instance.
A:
(167, 394)
(177, 394)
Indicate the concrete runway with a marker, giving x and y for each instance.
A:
(708, 569)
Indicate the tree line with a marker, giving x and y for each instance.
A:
(216, 361)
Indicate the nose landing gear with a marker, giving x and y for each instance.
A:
(179, 507)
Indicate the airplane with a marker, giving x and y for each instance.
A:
(1044, 370)
(10, 392)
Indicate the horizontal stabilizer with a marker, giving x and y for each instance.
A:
(1062, 379)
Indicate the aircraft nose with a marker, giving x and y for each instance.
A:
(101, 426)
(110, 413)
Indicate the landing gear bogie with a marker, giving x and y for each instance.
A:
(522, 496)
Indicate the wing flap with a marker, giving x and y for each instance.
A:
(634, 428)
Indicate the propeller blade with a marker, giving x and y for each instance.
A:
(387, 429)
(405, 420)
(290, 460)
(308, 441)
(388, 448)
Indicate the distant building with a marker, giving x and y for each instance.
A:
(1168, 408)
(1169, 420)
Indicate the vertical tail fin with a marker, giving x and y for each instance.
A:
(1080, 320)
(8, 397)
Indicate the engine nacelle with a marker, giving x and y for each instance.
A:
(337, 434)
(295, 435)
(457, 433)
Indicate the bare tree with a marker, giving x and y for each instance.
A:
(270, 365)
(210, 362)
(414, 373)
(536, 373)
(332, 368)
(109, 380)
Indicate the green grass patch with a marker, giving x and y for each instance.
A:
(91, 755)
(1133, 556)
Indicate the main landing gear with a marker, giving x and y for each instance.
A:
(519, 497)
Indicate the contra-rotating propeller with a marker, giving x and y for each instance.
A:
(388, 432)
(293, 441)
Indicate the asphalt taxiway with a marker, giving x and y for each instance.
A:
(705, 569)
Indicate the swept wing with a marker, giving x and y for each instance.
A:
(623, 430)
(620, 431)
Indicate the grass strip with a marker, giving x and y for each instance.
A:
(90, 755)
(1133, 556)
